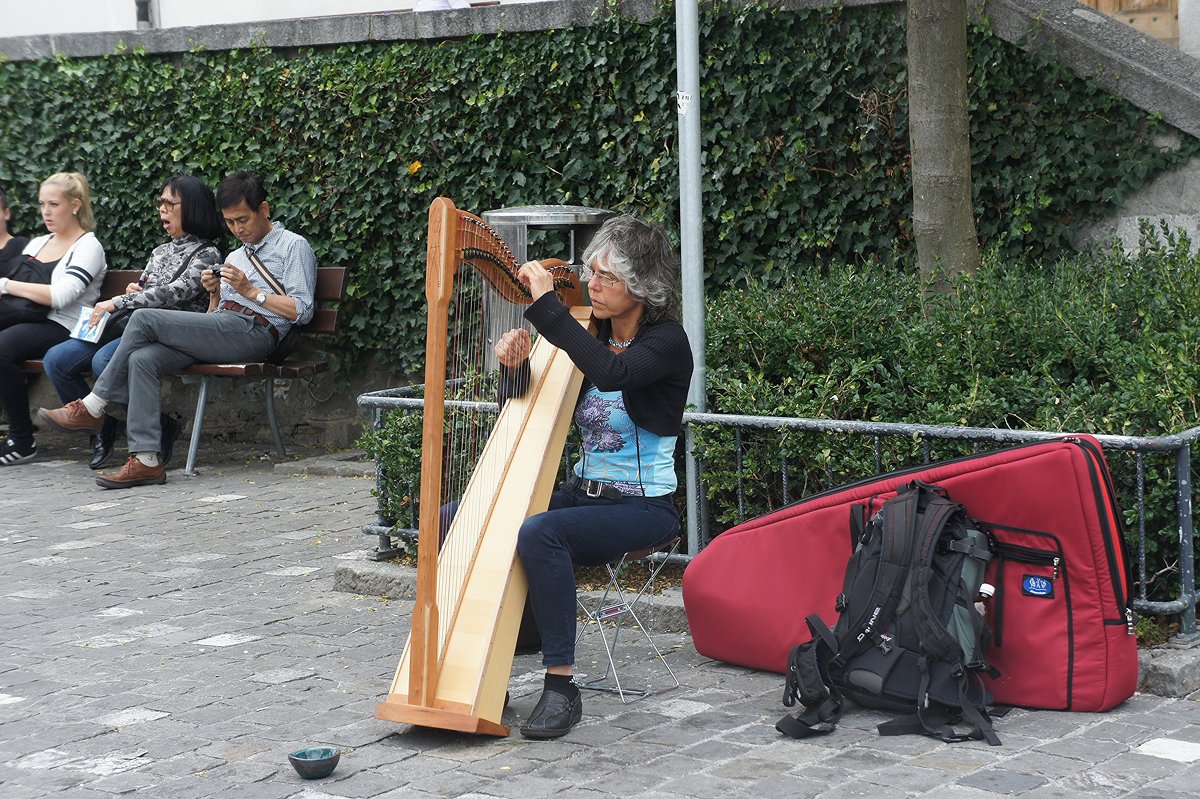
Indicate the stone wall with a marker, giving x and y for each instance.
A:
(1172, 198)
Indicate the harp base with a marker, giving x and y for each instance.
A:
(396, 708)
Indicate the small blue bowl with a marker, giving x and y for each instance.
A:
(315, 762)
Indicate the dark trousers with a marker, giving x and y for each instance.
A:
(20, 343)
(578, 530)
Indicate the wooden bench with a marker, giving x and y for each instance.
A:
(331, 287)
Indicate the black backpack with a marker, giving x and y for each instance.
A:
(17, 310)
(908, 637)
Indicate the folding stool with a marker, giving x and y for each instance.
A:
(619, 603)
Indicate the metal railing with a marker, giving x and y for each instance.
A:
(699, 527)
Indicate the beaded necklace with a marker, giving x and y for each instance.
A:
(612, 342)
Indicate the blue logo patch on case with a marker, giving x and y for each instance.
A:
(1034, 585)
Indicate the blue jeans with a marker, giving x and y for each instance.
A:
(65, 364)
(579, 530)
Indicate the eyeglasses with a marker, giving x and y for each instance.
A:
(586, 273)
(163, 202)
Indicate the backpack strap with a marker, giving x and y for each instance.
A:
(858, 522)
(934, 637)
(976, 715)
(941, 724)
(936, 641)
(807, 680)
(897, 522)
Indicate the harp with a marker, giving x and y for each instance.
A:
(453, 673)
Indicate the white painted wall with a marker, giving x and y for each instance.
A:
(1189, 27)
(27, 18)
(180, 13)
(30, 17)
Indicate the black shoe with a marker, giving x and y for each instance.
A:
(11, 453)
(102, 443)
(554, 715)
(172, 426)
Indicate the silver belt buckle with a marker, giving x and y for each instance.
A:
(599, 489)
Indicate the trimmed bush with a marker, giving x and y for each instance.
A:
(1100, 343)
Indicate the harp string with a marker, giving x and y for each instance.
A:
(479, 313)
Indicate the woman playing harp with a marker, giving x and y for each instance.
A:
(636, 374)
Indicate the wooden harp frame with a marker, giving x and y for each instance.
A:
(454, 671)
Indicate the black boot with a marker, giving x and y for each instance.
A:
(172, 426)
(102, 444)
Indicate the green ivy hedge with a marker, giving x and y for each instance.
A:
(804, 123)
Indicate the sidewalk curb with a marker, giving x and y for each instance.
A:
(399, 581)
(1169, 670)
(347, 463)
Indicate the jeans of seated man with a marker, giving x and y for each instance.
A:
(66, 364)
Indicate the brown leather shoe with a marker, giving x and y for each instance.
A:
(133, 473)
(73, 418)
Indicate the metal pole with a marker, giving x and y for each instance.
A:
(1187, 567)
(691, 234)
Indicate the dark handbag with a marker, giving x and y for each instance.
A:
(115, 327)
(17, 310)
(285, 346)
(119, 319)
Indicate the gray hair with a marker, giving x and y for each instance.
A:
(639, 255)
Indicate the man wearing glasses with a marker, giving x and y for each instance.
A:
(262, 290)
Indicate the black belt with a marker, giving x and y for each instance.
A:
(594, 488)
(230, 305)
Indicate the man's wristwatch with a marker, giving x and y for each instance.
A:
(261, 298)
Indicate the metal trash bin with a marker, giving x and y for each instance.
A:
(578, 222)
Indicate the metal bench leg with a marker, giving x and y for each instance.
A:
(279, 450)
(197, 425)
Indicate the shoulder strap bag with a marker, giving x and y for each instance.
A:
(17, 310)
(289, 342)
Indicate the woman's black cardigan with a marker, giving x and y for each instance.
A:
(652, 374)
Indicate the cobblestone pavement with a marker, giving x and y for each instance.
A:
(177, 641)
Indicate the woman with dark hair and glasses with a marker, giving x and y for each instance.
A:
(630, 410)
(188, 214)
